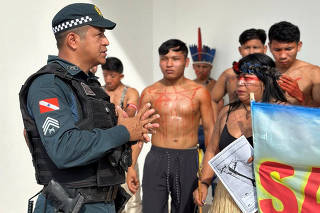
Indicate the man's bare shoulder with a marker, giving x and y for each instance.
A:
(132, 91)
(228, 72)
(315, 73)
(304, 66)
(200, 91)
(307, 70)
(188, 82)
(192, 85)
(225, 76)
(154, 86)
(151, 89)
(212, 83)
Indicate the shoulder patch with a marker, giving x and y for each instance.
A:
(48, 105)
(50, 126)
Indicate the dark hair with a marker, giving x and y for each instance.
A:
(113, 64)
(174, 45)
(264, 68)
(81, 31)
(284, 32)
(251, 34)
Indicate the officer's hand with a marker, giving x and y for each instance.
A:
(141, 124)
(132, 180)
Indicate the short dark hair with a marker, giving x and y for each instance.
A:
(284, 32)
(113, 64)
(175, 45)
(81, 31)
(251, 34)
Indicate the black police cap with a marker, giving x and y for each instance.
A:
(77, 15)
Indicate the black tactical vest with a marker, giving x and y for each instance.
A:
(95, 111)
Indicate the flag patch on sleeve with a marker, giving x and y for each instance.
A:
(48, 105)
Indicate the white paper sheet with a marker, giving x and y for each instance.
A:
(231, 166)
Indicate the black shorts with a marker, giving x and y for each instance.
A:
(171, 171)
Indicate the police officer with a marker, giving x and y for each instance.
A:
(75, 138)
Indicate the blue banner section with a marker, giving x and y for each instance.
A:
(288, 132)
(286, 157)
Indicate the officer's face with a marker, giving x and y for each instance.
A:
(93, 46)
(112, 79)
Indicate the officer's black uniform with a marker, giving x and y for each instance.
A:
(71, 126)
(72, 133)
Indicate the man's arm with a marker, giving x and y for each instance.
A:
(315, 93)
(215, 106)
(206, 114)
(132, 178)
(206, 172)
(219, 90)
(65, 143)
(131, 102)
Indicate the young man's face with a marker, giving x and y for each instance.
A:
(173, 64)
(112, 79)
(202, 70)
(93, 46)
(252, 46)
(284, 53)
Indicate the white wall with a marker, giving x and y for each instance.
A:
(27, 39)
(222, 22)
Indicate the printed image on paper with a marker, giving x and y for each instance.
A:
(232, 167)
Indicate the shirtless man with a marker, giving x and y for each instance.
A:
(120, 94)
(127, 98)
(202, 57)
(300, 80)
(172, 163)
(251, 41)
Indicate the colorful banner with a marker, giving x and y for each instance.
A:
(287, 158)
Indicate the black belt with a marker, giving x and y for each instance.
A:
(97, 194)
(72, 199)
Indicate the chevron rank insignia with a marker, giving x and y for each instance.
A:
(50, 126)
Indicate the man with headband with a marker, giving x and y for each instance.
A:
(80, 148)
